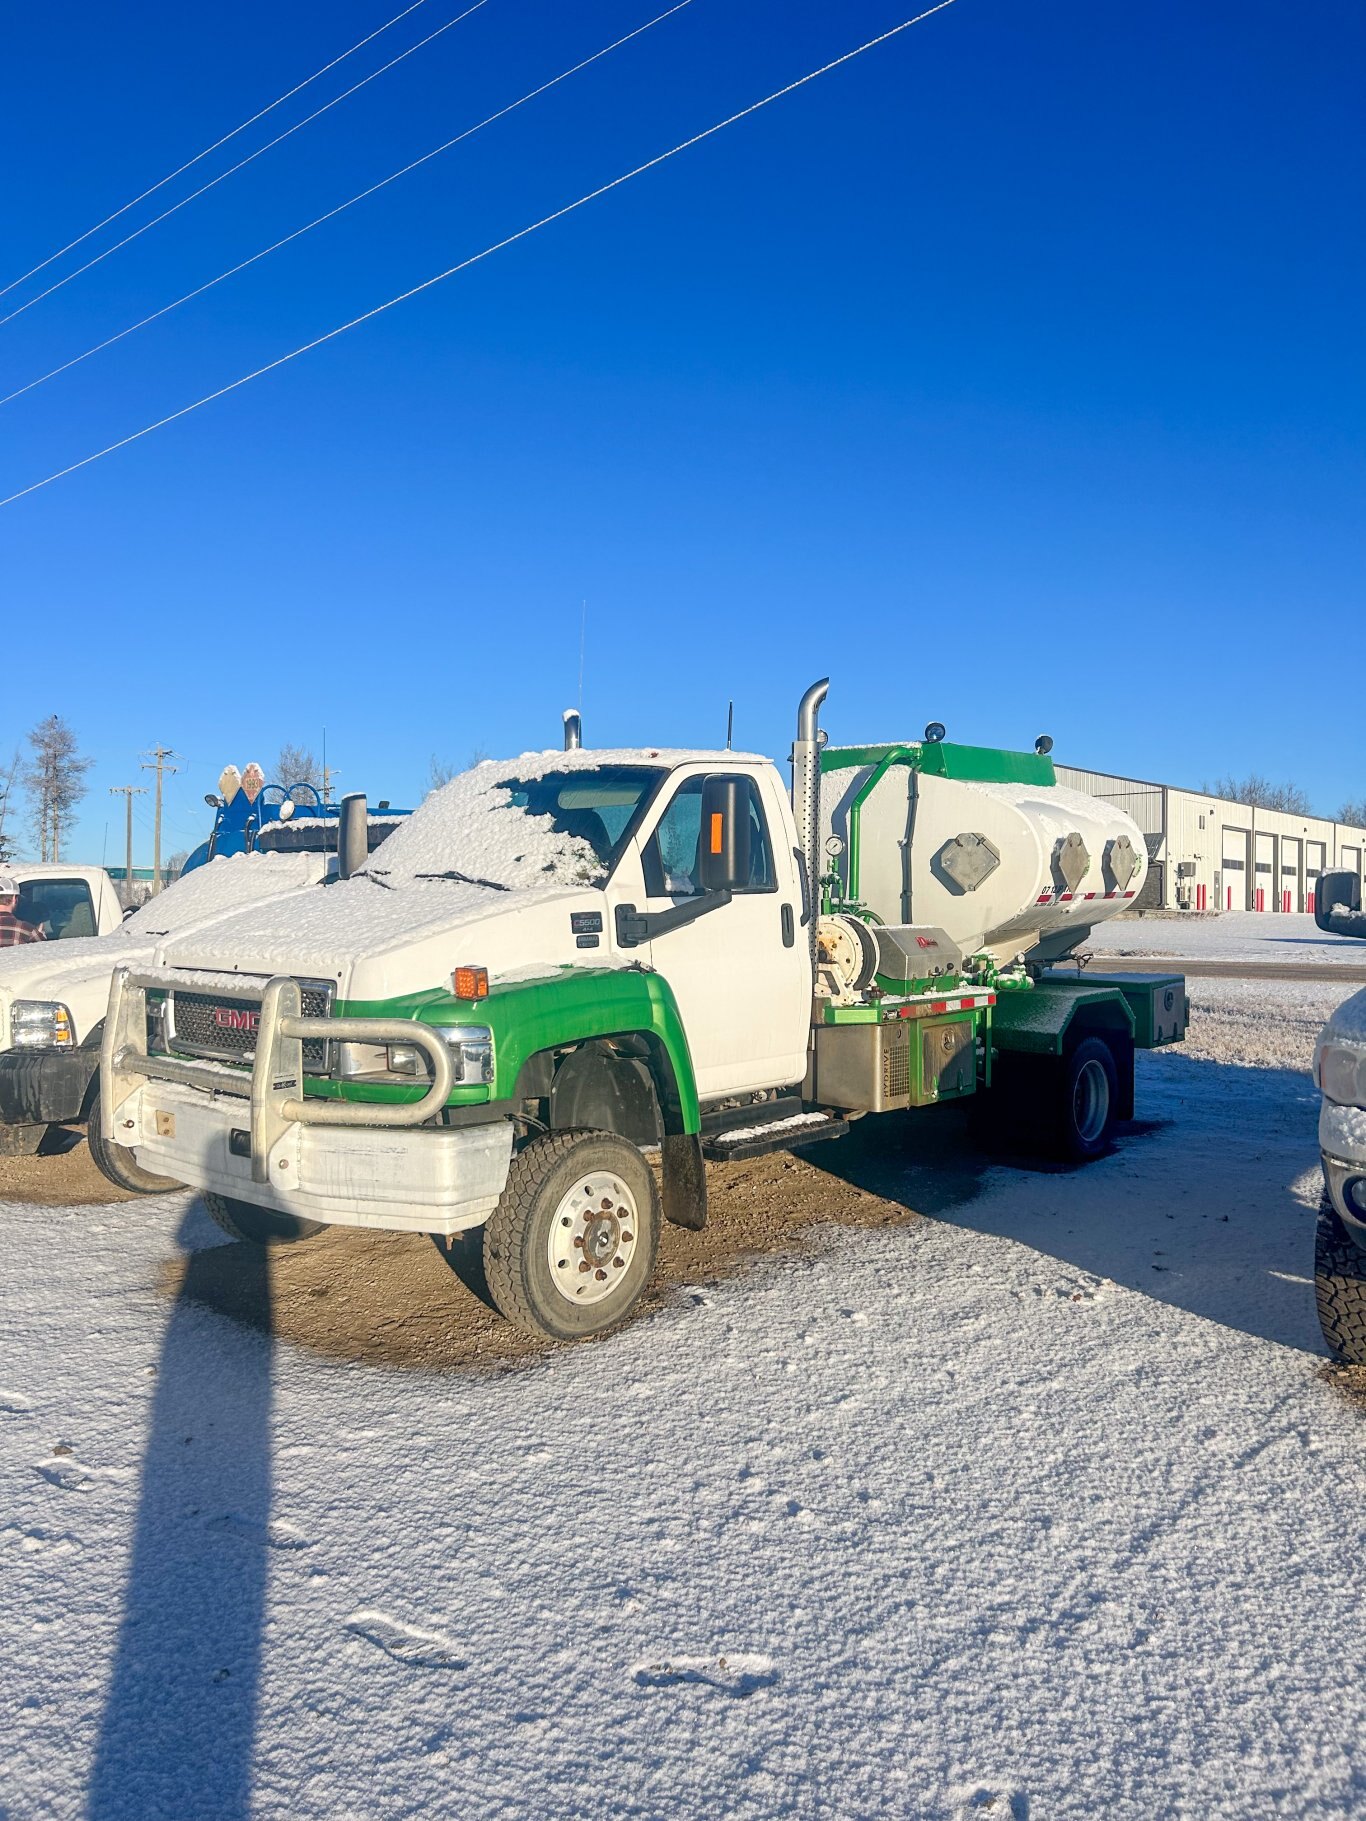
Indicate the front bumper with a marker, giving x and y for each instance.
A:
(1337, 1173)
(1342, 1146)
(44, 1087)
(428, 1179)
(260, 1138)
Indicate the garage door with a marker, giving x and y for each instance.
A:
(1263, 885)
(1349, 859)
(1233, 876)
(1315, 859)
(1291, 855)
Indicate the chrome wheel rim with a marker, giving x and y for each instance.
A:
(593, 1237)
(1091, 1102)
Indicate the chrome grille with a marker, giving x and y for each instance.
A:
(198, 1024)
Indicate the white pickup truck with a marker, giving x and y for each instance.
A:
(53, 995)
(1340, 1244)
(566, 961)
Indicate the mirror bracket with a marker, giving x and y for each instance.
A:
(636, 927)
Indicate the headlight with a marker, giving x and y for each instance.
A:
(40, 1024)
(471, 1047)
(1340, 1071)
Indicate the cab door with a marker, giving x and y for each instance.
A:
(741, 973)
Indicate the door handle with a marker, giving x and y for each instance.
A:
(789, 927)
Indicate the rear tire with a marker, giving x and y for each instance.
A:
(571, 1246)
(254, 1226)
(1084, 1113)
(1340, 1287)
(119, 1162)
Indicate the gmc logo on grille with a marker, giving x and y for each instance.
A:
(235, 1018)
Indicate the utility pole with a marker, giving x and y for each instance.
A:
(128, 792)
(328, 775)
(155, 761)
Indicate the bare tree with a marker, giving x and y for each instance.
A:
(175, 866)
(297, 765)
(9, 777)
(1258, 792)
(441, 771)
(1351, 812)
(55, 781)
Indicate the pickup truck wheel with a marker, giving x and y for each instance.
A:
(120, 1164)
(571, 1245)
(259, 1226)
(1084, 1119)
(1340, 1287)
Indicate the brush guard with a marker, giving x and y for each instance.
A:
(275, 1086)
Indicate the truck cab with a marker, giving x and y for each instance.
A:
(566, 961)
(66, 901)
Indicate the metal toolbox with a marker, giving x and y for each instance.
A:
(897, 1062)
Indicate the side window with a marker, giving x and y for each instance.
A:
(60, 907)
(672, 857)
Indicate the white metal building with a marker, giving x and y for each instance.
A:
(1206, 853)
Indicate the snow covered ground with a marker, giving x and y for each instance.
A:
(1037, 1506)
(1230, 936)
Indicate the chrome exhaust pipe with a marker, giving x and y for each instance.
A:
(353, 835)
(806, 800)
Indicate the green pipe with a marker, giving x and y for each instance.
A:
(899, 755)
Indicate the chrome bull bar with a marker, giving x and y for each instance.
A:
(275, 1086)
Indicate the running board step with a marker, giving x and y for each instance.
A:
(777, 1135)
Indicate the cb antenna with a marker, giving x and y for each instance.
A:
(730, 723)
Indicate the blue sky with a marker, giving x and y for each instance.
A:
(1012, 375)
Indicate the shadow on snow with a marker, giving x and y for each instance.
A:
(177, 1732)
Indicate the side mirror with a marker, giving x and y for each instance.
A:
(724, 843)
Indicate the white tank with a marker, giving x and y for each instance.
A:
(1001, 867)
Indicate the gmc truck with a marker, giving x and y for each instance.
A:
(566, 964)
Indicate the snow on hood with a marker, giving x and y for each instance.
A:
(356, 919)
(43, 970)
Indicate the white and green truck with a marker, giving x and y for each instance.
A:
(566, 963)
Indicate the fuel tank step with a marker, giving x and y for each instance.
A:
(777, 1135)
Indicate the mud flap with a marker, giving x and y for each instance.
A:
(685, 1181)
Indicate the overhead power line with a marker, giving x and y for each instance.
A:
(497, 246)
(180, 170)
(241, 164)
(361, 195)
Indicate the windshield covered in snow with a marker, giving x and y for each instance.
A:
(543, 820)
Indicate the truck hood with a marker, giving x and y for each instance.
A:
(380, 941)
(75, 972)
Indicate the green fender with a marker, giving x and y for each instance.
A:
(1037, 1023)
(571, 1005)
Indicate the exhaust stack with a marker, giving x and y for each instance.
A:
(573, 730)
(806, 800)
(353, 835)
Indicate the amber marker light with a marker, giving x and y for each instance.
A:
(471, 983)
(718, 830)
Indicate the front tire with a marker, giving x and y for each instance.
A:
(120, 1163)
(254, 1226)
(571, 1246)
(1340, 1287)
